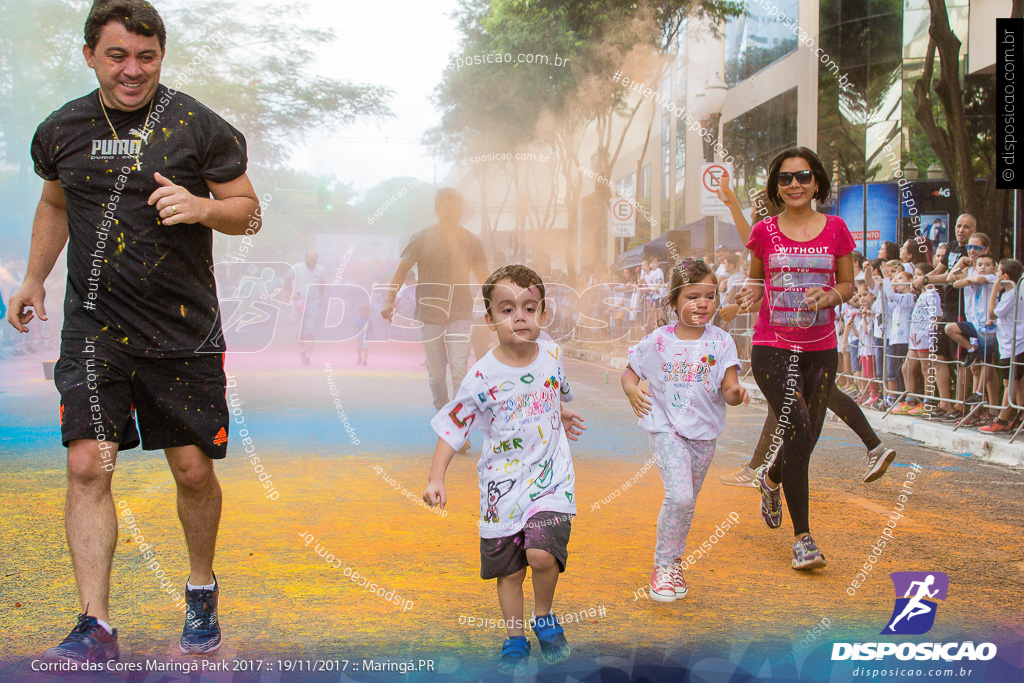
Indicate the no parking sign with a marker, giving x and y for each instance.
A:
(710, 181)
(622, 217)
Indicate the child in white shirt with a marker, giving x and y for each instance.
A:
(691, 367)
(514, 396)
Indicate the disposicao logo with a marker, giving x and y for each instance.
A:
(914, 614)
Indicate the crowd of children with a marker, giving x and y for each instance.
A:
(890, 330)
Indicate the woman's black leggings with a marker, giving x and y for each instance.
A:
(840, 404)
(797, 386)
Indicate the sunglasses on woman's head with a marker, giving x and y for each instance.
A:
(802, 177)
(973, 247)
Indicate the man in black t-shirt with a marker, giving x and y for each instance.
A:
(129, 171)
(952, 305)
(444, 256)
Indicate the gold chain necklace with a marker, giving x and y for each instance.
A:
(143, 136)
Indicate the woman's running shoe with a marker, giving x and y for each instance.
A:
(771, 499)
(662, 588)
(879, 460)
(744, 476)
(806, 554)
(918, 410)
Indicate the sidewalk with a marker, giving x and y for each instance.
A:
(965, 443)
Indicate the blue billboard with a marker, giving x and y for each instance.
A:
(883, 214)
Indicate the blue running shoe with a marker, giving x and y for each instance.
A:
(554, 648)
(771, 500)
(87, 642)
(515, 655)
(201, 634)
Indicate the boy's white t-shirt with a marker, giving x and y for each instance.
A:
(976, 298)
(525, 466)
(1005, 329)
(927, 310)
(901, 307)
(686, 381)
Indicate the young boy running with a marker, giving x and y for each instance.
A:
(527, 483)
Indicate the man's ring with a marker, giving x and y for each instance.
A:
(174, 209)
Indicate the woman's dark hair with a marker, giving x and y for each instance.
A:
(690, 271)
(889, 251)
(137, 16)
(919, 248)
(824, 189)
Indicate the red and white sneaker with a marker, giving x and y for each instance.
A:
(662, 588)
(678, 581)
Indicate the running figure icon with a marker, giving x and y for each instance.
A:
(917, 595)
(916, 607)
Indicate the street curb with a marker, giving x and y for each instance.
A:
(963, 442)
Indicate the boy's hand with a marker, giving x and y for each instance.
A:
(638, 399)
(572, 422)
(435, 494)
(729, 312)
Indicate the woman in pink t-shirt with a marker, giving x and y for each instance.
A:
(802, 266)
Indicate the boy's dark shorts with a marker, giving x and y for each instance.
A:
(544, 531)
(175, 401)
(1004, 367)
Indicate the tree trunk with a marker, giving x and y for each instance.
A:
(951, 144)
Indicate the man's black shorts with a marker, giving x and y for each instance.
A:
(175, 401)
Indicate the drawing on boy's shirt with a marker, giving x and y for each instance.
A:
(527, 381)
(508, 445)
(513, 464)
(568, 496)
(546, 475)
(516, 512)
(555, 354)
(495, 492)
(455, 417)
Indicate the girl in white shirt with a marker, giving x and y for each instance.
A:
(691, 367)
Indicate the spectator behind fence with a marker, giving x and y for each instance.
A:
(923, 319)
(952, 306)
(975, 275)
(1010, 334)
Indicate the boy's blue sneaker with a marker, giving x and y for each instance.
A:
(515, 655)
(554, 647)
(201, 634)
(87, 642)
